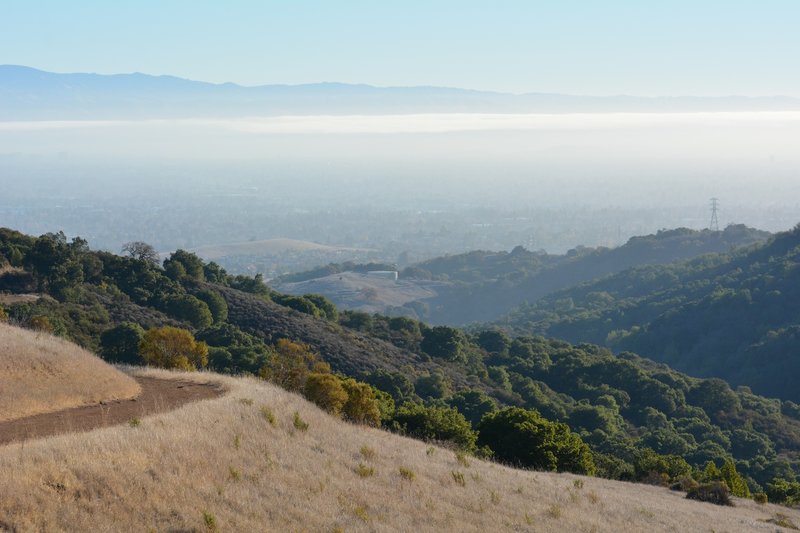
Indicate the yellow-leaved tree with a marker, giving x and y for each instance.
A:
(170, 347)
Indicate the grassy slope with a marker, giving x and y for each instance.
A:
(223, 458)
(41, 373)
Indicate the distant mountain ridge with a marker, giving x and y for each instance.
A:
(30, 94)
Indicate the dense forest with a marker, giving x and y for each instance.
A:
(735, 315)
(567, 407)
(481, 286)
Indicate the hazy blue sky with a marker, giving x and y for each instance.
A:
(669, 47)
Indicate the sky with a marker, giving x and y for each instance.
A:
(640, 47)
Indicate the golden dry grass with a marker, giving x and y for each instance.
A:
(40, 373)
(222, 465)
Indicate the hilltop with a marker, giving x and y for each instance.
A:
(40, 373)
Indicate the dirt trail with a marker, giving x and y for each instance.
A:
(158, 395)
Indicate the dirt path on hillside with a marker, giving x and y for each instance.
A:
(158, 395)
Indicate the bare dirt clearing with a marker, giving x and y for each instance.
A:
(157, 396)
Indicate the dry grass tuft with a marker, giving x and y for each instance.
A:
(178, 471)
(40, 373)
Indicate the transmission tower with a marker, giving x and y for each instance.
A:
(714, 226)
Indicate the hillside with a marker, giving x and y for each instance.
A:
(41, 373)
(220, 465)
(481, 286)
(631, 419)
(734, 316)
(359, 292)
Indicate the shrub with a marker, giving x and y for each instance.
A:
(120, 344)
(407, 474)
(685, 484)
(3, 315)
(734, 480)
(216, 305)
(299, 423)
(461, 458)
(188, 264)
(715, 492)
(289, 364)
(444, 342)
(266, 412)
(523, 437)
(40, 323)
(361, 405)
(436, 423)
(473, 404)
(367, 453)
(760, 498)
(326, 391)
(210, 522)
(192, 310)
(365, 470)
(434, 385)
(170, 347)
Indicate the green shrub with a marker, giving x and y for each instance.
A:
(192, 310)
(326, 391)
(367, 453)
(299, 423)
(461, 458)
(760, 498)
(268, 415)
(436, 423)
(361, 405)
(216, 305)
(523, 437)
(365, 470)
(734, 480)
(210, 522)
(407, 474)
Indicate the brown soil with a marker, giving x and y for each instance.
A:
(158, 395)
